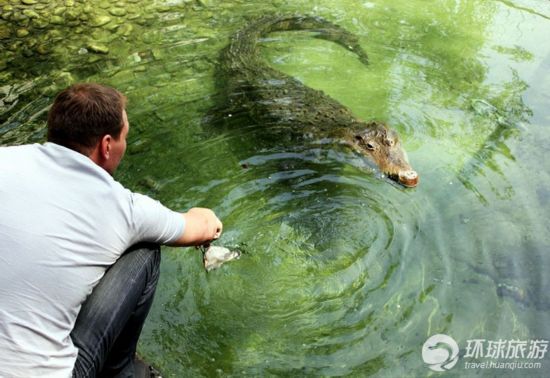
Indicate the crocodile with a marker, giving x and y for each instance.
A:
(271, 97)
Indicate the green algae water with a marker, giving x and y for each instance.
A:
(343, 273)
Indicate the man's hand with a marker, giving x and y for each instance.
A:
(201, 227)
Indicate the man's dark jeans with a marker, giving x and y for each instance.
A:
(109, 324)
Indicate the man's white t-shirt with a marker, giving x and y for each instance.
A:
(63, 221)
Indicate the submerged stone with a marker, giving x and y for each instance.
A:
(59, 11)
(30, 13)
(98, 21)
(29, 2)
(5, 32)
(19, 17)
(21, 33)
(119, 12)
(125, 29)
(72, 14)
(57, 20)
(98, 48)
(40, 23)
(42, 49)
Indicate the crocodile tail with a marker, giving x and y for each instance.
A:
(247, 39)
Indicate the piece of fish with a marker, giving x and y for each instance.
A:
(213, 256)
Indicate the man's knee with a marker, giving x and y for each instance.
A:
(127, 287)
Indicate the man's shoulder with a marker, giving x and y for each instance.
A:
(22, 148)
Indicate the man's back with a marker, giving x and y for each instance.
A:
(63, 221)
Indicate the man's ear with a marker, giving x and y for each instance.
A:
(105, 146)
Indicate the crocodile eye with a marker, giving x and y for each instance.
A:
(370, 146)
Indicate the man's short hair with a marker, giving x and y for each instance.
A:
(83, 113)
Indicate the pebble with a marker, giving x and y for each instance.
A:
(40, 23)
(29, 2)
(125, 29)
(98, 21)
(19, 17)
(97, 48)
(21, 33)
(119, 12)
(42, 49)
(59, 11)
(69, 3)
(57, 20)
(30, 13)
(103, 4)
(72, 14)
(5, 32)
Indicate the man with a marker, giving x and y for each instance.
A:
(64, 222)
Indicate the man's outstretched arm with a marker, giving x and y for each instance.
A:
(201, 227)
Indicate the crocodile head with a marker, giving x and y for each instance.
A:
(382, 145)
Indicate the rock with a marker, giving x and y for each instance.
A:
(18, 17)
(27, 53)
(5, 32)
(6, 16)
(97, 48)
(15, 46)
(29, 2)
(31, 42)
(125, 29)
(21, 33)
(57, 20)
(72, 14)
(54, 34)
(118, 12)
(63, 80)
(42, 49)
(30, 13)
(97, 21)
(59, 11)
(157, 54)
(69, 3)
(103, 4)
(40, 23)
